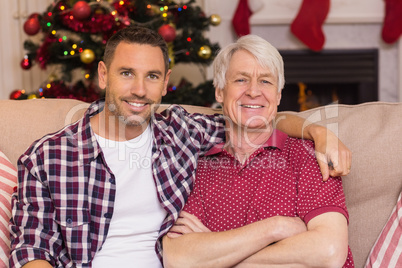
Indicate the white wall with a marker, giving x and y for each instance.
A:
(12, 76)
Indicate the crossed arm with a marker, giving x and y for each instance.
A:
(323, 244)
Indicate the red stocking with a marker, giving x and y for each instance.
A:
(241, 17)
(392, 27)
(307, 26)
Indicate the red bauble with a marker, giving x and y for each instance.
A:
(35, 16)
(26, 63)
(14, 95)
(167, 32)
(32, 26)
(81, 10)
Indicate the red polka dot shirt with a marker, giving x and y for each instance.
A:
(280, 178)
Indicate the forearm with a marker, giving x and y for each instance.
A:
(298, 127)
(324, 246)
(220, 249)
(214, 249)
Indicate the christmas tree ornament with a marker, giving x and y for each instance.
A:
(215, 19)
(167, 32)
(171, 55)
(240, 20)
(392, 25)
(307, 26)
(81, 10)
(26, 63)
(87, 56)
(32, 26)
(34, 16)
(16, 94)
(32, 96)
(204, 52)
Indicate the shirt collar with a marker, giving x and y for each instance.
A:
(276, 140)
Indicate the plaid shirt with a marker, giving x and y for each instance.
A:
(65, 198)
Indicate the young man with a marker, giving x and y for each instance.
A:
(101, 191)
(258, 198)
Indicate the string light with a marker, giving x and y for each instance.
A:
(72, 52)
(54, 32)
(48, 85)
(188, 39)
(62, 7)
(74, 46)
(48, 24)
(49, 14)
(121, 3)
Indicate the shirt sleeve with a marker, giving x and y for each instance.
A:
(194, 204)
(33, 233)
(315, 196)
(203, 131)
(386, 251)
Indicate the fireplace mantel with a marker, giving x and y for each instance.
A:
(271, 12)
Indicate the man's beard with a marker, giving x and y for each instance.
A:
(134, 119)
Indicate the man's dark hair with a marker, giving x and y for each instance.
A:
(135, 35)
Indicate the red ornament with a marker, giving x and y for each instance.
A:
(15, 94)
(35, 16)
(26, 63)
(32, 26)
(167, 32)
(81, 10)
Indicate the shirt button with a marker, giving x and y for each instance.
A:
(107, 215)
(112, 181)
(69, 221)
(162, 198)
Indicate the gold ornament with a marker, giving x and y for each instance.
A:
(87, 56)
(171, 55)
(215, 19)
(204, 52)
(52, 78)
(32, 96)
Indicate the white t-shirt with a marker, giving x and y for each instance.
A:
(137, 215)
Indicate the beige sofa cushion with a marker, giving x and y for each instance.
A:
(373, 131)
(22, 122)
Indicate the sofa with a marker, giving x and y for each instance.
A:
(373, 132)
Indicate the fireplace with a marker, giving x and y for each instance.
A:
(331, 76)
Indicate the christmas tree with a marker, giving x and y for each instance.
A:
(73, 35)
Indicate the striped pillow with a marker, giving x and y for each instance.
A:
(387, 250)
(8, 180)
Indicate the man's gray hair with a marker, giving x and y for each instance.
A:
(266, 55)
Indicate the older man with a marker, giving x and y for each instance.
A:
(258, 198)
